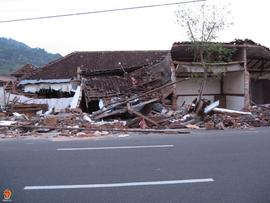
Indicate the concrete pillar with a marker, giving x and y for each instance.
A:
(246, 80)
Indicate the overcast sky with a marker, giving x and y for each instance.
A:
(144, 29)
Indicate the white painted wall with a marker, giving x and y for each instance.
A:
(64, 87)
(2, 101)
(233, 83)
(235, 102)
(58, 104)
(192, 86)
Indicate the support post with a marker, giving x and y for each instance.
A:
(174, 86)
(246, 81)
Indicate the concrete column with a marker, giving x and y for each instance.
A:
(246, 80)
(173, 79)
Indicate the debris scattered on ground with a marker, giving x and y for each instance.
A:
(142, 114)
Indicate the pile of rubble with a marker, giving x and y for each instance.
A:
(133, 116)
(71, 123)
(259, 116)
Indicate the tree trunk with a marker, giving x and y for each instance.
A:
(204, 77)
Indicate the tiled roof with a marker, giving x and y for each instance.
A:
(97, 61)
(99, 87)
(26, 70)
(136, 82)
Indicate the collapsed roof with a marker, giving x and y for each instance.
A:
(98, 61)
(24, 71)
(135, 82)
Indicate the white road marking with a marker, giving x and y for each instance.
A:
(119, 147)
(112, 185)
(123, 135)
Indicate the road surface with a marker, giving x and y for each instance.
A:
(204, 166)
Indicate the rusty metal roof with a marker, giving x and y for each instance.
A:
(67, 66)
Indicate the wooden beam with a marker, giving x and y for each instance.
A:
(249, 62)
(124, 109)
(113, 105)
(227, 45)
(131, 110)
(208, 64)
(255, 64)
(262, 65)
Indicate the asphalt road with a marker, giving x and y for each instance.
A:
(203, 167)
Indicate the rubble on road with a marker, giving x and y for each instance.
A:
(142, 115)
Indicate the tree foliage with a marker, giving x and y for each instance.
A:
(203, 24)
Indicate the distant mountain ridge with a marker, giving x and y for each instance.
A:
(14, 54)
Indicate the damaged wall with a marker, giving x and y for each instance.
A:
(187, 91)
(233, 89)
(229, 88)
(57, 103)
(33, 86)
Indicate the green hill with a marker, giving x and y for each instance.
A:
(14, 54)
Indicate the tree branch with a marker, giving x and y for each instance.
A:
(210, 32)
(191, 33)
(202, 38)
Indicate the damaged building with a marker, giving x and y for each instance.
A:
(120, 90)
(25, 71)
(94, 80)
(6, 84)
(243, 80)
(90, 80)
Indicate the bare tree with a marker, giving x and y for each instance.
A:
(203, 24)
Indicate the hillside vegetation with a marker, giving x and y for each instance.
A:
(14, 54)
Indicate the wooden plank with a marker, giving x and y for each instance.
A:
(131, 110)
(113, 105)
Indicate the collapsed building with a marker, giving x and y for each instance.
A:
(88, 79)
(149, 89)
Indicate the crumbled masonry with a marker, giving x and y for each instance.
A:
(75, 123)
